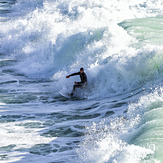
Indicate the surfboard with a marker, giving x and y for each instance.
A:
(65, 94)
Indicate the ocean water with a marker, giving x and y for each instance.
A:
(118, 118)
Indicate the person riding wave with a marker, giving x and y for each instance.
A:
(83, 78)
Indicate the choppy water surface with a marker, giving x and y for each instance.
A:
(118, 118)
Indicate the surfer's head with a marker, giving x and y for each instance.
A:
(81, 70)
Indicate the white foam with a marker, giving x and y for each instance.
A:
(51, 39)
(58, 37)
(131, 137)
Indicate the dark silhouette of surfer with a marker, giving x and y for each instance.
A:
(83, 78)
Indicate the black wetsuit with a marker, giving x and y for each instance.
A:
(83, 82)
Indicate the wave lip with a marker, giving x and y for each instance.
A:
(135, 136)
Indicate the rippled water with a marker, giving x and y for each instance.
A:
(118, 118)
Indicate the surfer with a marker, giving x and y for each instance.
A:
(83, 78)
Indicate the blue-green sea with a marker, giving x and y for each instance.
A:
(118, 117)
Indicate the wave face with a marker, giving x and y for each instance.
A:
(119, 44)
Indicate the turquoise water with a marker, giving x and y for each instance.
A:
(118, 118)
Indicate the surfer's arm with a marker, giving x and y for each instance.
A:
(77, 73)
(82, 82)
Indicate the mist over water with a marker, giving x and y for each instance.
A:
(118, 118)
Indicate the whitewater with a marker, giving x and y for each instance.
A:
(118, 118)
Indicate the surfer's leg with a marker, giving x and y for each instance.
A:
(73, 91)
(77, 86)
(74, 88)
